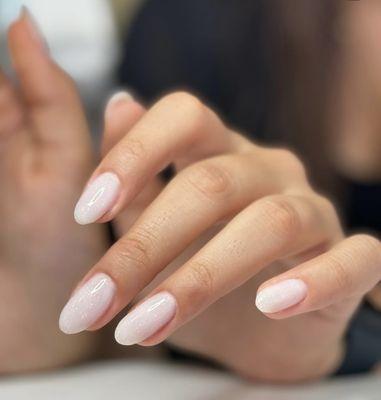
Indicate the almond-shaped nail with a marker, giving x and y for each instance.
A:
(280, 296)
(98, 198)
(146, 319)
(87, 304)
(116, 100)
(34, 29)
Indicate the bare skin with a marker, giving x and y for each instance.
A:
(257, 220)
(254, 227)
(44, 139)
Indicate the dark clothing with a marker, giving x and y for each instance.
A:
(218, 50)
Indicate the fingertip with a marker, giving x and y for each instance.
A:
(281, 296)
(88, 303)
(119, 98)
(97, 199)
(25, 31)
(146, 319)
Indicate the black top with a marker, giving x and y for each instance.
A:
(217, 50)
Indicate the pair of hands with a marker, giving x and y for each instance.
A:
(236, 219)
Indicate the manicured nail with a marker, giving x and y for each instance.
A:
(281, 296)
(98, 198)
(88, 304)
(146, 319)
(34, 29)
(116, 100)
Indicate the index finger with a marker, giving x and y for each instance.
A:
(177, 128)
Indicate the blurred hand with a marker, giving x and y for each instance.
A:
(236, 219)
(356, 93)
(45, 157)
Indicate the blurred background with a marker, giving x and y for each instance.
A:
(84, 37)
(301, 74)
(304, 76)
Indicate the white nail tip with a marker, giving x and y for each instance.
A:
(87, 304)
(280, 296)
(120, 96)
(116, 98)
(146, 319)
(98, 198)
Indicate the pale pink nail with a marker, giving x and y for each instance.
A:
(117, 99)
(281, 296)
(146, 319)
(98, 198)
(88, 304)
(34, 29)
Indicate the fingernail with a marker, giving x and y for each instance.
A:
(146, 319)
(116, 100)
(281, 296)
(34, 29)
(98, 198)
(88, 304)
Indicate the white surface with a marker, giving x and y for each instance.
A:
(144, 380)
(81, 36)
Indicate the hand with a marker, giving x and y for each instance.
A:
(355, 111)
(236, 218)
(45, 156)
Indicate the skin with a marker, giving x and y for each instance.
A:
(230, 194)
(237, 194)
(43, 139)
(356, 139)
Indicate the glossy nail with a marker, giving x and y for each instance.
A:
(98, 198)
(87, 304)
(280, 296)
(146, 319)
(34, 29)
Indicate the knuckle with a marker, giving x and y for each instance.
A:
(282, 218)
(184, 99)
(328, 209)
(135, 149)
(292, 162)
(368, 245)
(339, 271)
(133, 250)
(326, 204)
(189, 108)
(200, 282)
(210, 180)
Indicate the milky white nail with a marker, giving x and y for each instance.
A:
(280, 296)
(146, 319)
(117, 99)
(98, 198)
(87, 304)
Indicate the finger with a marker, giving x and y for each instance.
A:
(50, 95)
(11, 111)
(204, 193)
(343, 276)
(121, 114)
(178, 127)
(270, 229)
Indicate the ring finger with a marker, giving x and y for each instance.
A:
(272, 228)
